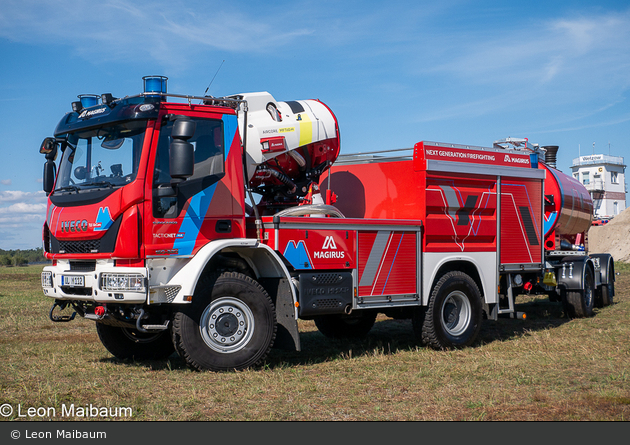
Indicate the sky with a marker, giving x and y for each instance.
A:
(394, 73)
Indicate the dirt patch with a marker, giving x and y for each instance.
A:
(613, 238)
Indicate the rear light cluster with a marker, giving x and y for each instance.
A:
(122, 282)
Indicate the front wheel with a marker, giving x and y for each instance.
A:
(230, 325)
(453, 317)
(127, 343)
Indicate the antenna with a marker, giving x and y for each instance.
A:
(215, 75)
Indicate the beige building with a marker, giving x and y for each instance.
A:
(604, 177)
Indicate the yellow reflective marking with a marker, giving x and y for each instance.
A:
(306, 129)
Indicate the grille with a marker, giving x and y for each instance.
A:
(327, 303)
(171, 293)
(89, 246)
(323, 279)
(47, 245)
(83, 291)
(83, 266)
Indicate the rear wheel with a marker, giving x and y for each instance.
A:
(453, 317)
(127, 343)
(579, 303)
(356, 325)
(230, 325)
(605, 293)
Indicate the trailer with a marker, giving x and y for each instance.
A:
(154, 232)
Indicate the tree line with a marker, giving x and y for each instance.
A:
(21, 257)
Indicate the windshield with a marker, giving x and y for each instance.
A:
(102, 157)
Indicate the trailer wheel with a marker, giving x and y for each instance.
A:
(453, 317)
(605, 293)
(127, 343)
(579, 303)
(356, 325)
(230, 324)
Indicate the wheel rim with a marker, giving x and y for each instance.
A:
(456, 313)
(226, 325)
(588, 290)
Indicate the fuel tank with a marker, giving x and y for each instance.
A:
(568, 205)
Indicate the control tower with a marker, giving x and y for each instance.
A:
(604, 178)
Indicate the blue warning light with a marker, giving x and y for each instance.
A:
(88, 100)
(155, 84)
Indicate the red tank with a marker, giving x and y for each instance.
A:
(568, 206)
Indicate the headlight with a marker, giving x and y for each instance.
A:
(122, 282)
(47, 279)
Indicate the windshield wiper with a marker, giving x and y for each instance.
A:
(73, 188)
(98, 184)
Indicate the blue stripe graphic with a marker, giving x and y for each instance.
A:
(200, 203)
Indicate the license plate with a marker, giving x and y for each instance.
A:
(72, 280)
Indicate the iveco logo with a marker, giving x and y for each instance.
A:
(74, 226)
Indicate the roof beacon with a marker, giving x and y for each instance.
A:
(155, 84)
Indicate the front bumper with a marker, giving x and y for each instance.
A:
(67, 282)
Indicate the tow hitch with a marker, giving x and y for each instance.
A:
(61, 318)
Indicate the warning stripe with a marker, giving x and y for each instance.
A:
(374, 259)
(306, 129)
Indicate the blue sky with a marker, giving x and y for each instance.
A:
(394, 73)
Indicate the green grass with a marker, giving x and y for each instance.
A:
(544, 368)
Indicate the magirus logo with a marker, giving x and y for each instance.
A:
(329, 243)
(331, 247)
(516, 160)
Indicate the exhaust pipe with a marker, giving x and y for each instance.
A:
(550, 155)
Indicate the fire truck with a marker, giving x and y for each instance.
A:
(208, 226)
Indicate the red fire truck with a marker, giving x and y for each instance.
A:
(155, 233)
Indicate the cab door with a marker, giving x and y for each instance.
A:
(182, 218)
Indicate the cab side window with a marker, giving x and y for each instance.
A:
(209, 167)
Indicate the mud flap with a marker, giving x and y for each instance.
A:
(287, 334)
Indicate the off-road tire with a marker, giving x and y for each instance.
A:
(230, 324)
(127, 343)
(353, 326)
(454, 314)
(580, 303)
(605, 293)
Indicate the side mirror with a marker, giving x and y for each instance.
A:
(182, 152)
(49, 176)
(183, 128)
(49, 148)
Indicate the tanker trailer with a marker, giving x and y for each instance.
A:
(581, 280)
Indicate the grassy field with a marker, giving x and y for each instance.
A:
(545, 368)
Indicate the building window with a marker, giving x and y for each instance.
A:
(586, 177)
(576, 176)
(614, 177)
